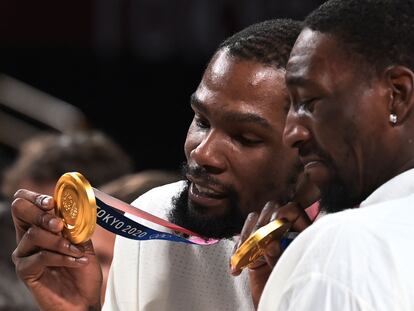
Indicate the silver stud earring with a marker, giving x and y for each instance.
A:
(393, 118)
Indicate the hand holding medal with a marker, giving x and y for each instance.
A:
(275, 224)
(263, 239)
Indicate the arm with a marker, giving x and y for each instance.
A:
(316, 291)
(340, 263)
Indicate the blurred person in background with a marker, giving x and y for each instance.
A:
(41, 161)
(129, 187)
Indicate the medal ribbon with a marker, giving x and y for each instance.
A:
(110, 217)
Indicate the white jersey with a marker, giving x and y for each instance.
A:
(162, 275)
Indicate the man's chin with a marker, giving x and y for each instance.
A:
(336, 197)
(198, 210)
(209, 222)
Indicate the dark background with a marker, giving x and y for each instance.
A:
(111, 57)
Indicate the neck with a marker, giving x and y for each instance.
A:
(393, 171)
(409, 164)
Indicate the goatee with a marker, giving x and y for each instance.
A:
(196, 218)
(336, 197)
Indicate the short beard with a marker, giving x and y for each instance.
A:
(192, 216)
(336, 197)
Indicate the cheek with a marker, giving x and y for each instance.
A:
(247, 169)
(262, 186)
(333, 126)
(260, 174)
(192, 140)
(336, 144)
(338, 140)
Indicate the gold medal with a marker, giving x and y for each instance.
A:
(254, 247)
(76, 205)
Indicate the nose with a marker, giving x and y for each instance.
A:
(296, 131)
(210, 153)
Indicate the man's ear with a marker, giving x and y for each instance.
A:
(400, 80)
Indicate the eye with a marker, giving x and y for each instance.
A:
(201, 122)
(248, 140)
(307, 105)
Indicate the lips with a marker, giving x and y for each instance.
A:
(312, 163)
(205, 191)
(206, 194)
(317, 170)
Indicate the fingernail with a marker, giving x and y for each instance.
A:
(46, 201)
(17, 193)
(54, 224)
(74, 249)
(82, 260)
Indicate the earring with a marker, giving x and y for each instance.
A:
(393, 118)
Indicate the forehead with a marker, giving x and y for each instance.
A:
(231, 79)
(318, 57)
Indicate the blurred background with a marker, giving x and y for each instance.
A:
(125, 67)
(119, 73)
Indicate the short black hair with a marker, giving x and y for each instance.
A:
(269, 42)
(379, 31)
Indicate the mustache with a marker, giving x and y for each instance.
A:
(200, 172)
(307, 149)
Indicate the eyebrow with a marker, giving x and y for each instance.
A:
(298, 80)
(233, 116)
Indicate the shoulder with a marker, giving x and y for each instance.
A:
(345, 256)
(158, 202)
(158, 199)
(334, 241)
(342, 236)
(358, 223)
(347, 241)
(167, 191)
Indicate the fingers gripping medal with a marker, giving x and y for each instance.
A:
(76, 205)
(254, 247)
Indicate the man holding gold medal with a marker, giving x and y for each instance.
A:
(236, 163)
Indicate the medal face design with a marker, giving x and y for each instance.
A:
(254, 247)
(69, 207)
(76, 205)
